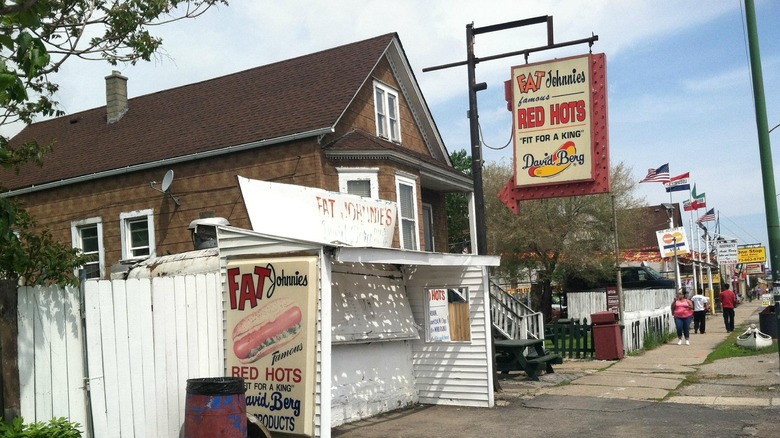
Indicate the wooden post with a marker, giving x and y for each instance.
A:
(10, 401)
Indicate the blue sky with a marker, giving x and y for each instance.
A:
(678, 75)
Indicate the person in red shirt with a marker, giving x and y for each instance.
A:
(728, 299)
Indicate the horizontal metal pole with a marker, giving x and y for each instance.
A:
(511, 24)
(589, 40)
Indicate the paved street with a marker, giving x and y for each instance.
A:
(637, 396)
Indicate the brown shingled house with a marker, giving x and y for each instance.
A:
(349, 119)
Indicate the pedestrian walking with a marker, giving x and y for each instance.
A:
(728, 300)
(701, 305)
(682, 309)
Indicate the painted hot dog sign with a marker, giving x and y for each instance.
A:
(271, 338)
(551, 110)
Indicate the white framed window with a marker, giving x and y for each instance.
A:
(406, 197)
(87, 235)
(361, 181)
(449, 315)
(387, 114)
(137, 229)
(427, 210)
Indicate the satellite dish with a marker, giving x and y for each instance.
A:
(166, 186)
(167, 180)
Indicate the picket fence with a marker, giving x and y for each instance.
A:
(115, 355)
(646, 311)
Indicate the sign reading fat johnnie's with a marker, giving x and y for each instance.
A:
(271, 327)
(552, 114)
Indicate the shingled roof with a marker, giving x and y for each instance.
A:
(263, 105)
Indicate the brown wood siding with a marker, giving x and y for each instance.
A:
(207, 185)
(361, 113)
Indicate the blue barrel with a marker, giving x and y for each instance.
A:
(215, 407)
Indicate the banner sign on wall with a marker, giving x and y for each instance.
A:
(317, 215)
(552, 122)
(271, 338)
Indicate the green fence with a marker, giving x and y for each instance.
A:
(570, 338)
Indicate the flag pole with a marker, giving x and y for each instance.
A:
(695, 246)
(676, 264)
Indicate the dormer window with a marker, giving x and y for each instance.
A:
(387, 120)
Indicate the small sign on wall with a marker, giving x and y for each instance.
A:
(438, 315)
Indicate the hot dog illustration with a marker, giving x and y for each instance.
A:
(567, 148)
(267, 329)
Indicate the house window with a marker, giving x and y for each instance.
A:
(137, 234)
(406, 192)
(387, 121)
(87, 235)
(428, 227)
(449, 319)
(359, 181)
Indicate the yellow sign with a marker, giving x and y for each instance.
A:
(751, 255)
(271, 338)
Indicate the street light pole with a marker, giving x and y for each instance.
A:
(670, 212)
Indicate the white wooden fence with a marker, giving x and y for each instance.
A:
(132, 343)
(644, 309)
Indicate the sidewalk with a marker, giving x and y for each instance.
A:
(635, 396)
(655, 374)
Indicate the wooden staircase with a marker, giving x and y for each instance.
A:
(511, 318)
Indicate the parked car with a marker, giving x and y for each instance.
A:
(631, 277)
(644, 277)
(559, 307)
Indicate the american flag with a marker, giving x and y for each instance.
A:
(657, 175)
(707, 217)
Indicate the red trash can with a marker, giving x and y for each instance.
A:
(215, 407)
(607, 340)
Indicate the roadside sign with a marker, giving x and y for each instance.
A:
(727, 252)
(752, 255)
(672, 241)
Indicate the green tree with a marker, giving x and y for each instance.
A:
(458, 207)
(36, 38)
(557, 237)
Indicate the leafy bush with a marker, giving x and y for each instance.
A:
(55, 428)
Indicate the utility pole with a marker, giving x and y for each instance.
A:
(764, 146)
(476, 144)
(765, 152)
